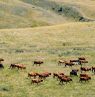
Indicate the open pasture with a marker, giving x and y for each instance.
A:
(50, 44)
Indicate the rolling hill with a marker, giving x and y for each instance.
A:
(32, 13)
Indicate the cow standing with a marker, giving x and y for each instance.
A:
(38, 63)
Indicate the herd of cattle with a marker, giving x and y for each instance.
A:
(61, 77)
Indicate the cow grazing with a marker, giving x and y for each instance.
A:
(38, 63)
(36, 81)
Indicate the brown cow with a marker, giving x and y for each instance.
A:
(60, 62)
(44, 75)
(85, 69)
(69, 64)
(32, 74)
(38, 63)
(85, 75)
(13, 66)
(81, 58)
(19, 66)
(57, 74)
(65, 79)
(37, 81)
(77, 62)
(84, 79)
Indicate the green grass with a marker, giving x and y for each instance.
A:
(52, 43)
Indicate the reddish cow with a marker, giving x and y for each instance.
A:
(32, 74)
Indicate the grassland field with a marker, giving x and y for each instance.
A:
(50, 43)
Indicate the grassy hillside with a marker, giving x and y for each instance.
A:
(65, 41)
(33, 13)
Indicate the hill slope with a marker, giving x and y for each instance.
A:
(32, 13)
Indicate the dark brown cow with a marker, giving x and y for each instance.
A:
(84, 79)
(77, 62)
(38, 63)
(81, 58)
(69, 64)
(37, 81)
(85, 69)
(13, 66)
(83, 61)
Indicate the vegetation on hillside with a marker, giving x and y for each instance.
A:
(33, 13)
